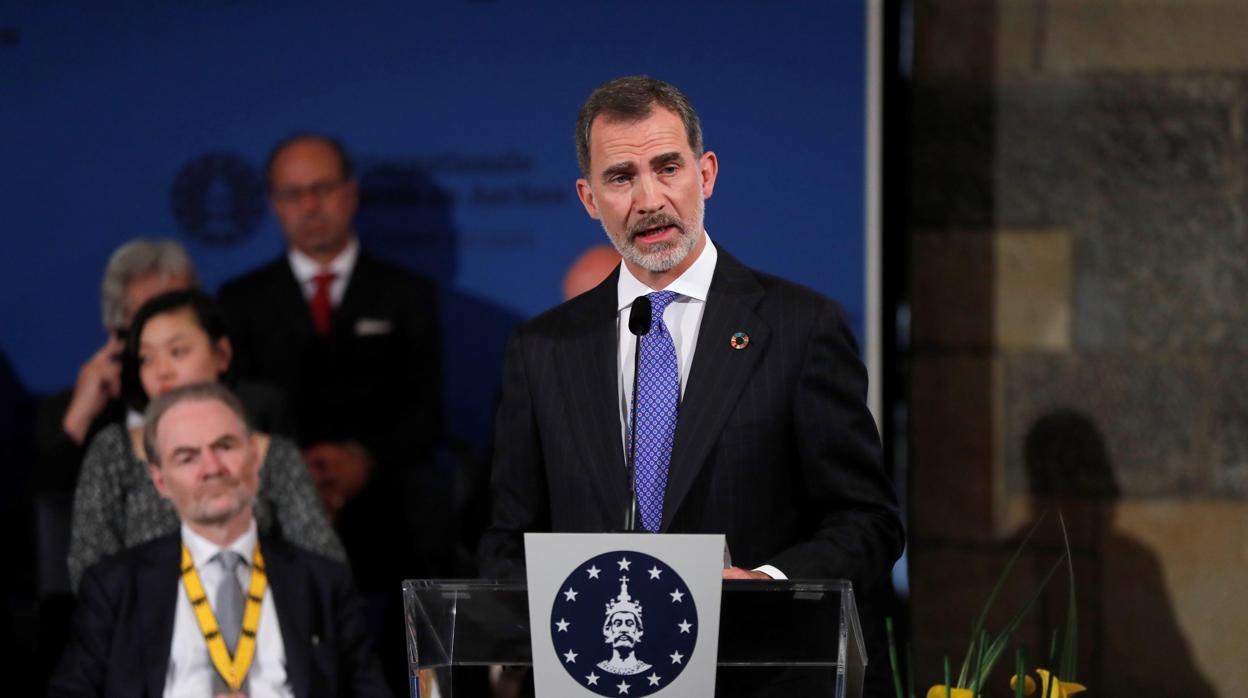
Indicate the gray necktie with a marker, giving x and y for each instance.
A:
(229, 609)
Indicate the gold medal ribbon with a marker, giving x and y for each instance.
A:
(232, 669)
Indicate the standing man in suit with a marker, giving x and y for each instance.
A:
(354, 342)
(751, 414)
(278, 620)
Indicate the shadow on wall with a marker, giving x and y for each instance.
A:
(407, 218)
(1129, 641)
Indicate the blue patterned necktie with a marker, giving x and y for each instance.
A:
(658, 395)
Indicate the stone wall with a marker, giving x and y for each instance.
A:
(1078, 247)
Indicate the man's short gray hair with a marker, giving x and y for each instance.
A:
(134, 260)
(197, 392)
(631, 99)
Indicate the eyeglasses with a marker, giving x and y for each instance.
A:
(318, 190)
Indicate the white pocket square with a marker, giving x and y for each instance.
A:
(365, 327)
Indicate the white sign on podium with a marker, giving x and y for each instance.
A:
(624, 614)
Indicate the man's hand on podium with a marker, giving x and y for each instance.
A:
(739, 573)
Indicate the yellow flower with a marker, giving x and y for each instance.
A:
(1056, 689)
(1059, 688)
(939, 692)
(1029, 684)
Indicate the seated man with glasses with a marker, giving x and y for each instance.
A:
(354, 343)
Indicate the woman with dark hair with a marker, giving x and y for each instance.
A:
(178, 339)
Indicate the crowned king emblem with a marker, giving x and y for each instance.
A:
(622, 630)
(624, 623)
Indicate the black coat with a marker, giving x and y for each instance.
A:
(375, 380)
(123, 626)
(774, 446)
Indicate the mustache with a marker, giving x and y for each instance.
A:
(655, 220)
(222, 479)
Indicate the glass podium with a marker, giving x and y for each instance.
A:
(793, 633)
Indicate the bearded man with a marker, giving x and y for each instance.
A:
(751, 399)
(215, 609)
(752, 417)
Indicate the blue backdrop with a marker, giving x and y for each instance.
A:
(153, 120)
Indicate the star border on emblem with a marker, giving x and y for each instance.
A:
(576, 617)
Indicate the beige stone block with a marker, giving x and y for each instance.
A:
(1020, 33)
(1202, 550)
(1033, 290)
(983, 39)
(1143, 35)
(1160, 592)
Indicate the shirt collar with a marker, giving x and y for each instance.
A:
(695, 283)
(203, 549)
(305, 267)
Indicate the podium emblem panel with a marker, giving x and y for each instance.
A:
(634, 620)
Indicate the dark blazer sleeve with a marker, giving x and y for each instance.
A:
(359, 670)
(328, 648)
(518, 478)
(853, 513)
(84, 666)
(59, 457)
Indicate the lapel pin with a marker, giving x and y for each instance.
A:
(739, 341)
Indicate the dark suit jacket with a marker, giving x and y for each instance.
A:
(123, 626)
(774, 444)
(58, 457)
(375, 380)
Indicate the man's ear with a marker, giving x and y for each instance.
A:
(158, 480)
(586, 194)
(259, 447)
(708, 168)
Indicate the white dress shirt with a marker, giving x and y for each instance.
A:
(190, 668)
(683, 317)
(306, 269)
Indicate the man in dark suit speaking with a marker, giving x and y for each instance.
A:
(215, 609)
(751, 416)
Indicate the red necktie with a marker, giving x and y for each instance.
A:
(322, 308)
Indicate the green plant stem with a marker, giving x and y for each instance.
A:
(1020, 678)
(978, 626)
(948, 676)
(892, 656)
(998, 646)
(1070, 637)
